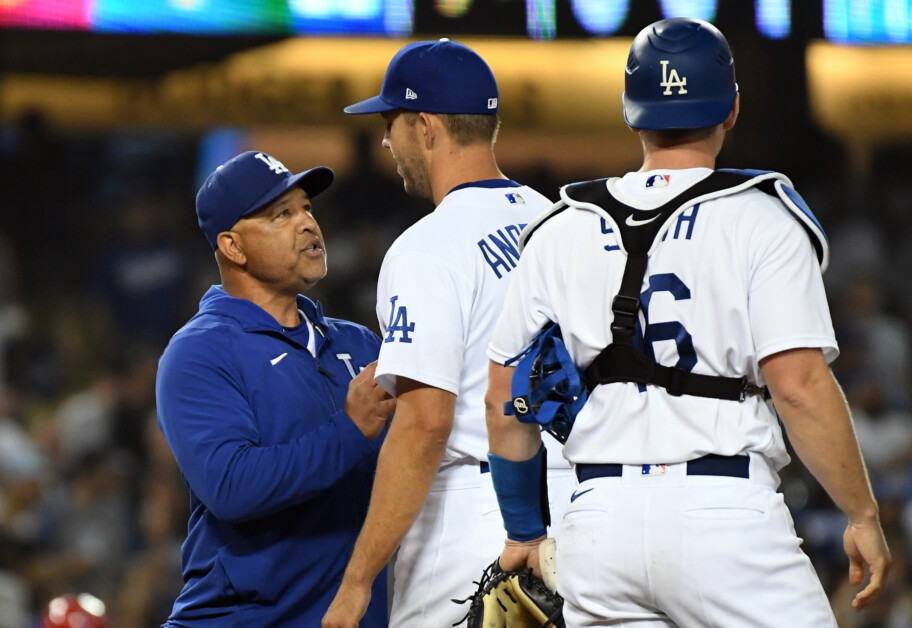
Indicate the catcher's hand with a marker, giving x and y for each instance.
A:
(512, 599)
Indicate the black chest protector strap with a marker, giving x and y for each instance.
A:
(621, 361)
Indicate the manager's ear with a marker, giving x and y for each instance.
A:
(230, 246)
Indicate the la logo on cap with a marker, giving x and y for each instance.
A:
(274, 164)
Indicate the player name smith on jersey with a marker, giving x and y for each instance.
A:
(681, 227)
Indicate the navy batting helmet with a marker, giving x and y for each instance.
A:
(680, 75)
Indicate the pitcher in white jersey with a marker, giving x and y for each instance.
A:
(692, 300)
(440, 291)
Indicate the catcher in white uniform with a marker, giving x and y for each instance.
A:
(692, 301)
(440, 291)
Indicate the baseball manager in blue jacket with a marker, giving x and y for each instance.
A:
(271, 410)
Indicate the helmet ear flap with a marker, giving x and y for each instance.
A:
(547, 387)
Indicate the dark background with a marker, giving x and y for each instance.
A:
(101, 261)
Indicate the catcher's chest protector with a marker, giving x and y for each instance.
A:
(639, 232)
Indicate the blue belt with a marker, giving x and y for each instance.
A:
(710, 464)
(485, 468)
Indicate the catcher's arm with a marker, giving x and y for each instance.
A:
(818, 421)
(507, 437)
(518, 470)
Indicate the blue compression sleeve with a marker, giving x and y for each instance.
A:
(522, 494)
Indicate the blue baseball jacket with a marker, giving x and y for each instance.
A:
(279, 475)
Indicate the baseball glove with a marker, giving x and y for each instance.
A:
(512, 599)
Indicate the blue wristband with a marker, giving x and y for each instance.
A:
(522, 494)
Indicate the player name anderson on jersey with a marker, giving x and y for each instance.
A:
(500, 249)
(465, 253)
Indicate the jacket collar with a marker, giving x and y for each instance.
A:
(253, 318)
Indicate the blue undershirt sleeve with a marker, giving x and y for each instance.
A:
(522, 494)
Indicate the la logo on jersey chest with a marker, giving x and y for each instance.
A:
(672, 80)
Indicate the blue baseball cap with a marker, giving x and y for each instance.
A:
(437, 77)
(246, 183)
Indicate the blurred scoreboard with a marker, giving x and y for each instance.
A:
(840, 21)
(213, 17)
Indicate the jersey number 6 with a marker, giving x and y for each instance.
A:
(670, 330)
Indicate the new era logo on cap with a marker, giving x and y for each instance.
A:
(450, 78)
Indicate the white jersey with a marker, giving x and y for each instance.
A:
(734, 280)
(441, 288)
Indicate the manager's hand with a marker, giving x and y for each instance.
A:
(368, 405)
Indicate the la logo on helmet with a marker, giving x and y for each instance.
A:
(672, 81)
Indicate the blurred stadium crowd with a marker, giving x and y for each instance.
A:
(101, 261)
